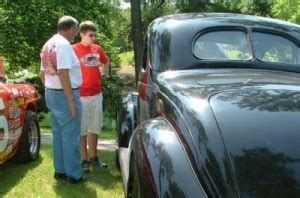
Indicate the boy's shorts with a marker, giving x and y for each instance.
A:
(92, 114)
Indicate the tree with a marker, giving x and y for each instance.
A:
(258, 7)
(25, 27)
(288, 10)
(136, 21)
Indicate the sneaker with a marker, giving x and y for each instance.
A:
(60, 176)
(76, 181)
(85, 166)
(97, 163)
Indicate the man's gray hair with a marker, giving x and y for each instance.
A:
(66, 23)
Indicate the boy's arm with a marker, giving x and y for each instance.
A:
(104, 61)
(104, 68)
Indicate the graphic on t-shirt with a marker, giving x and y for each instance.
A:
(91, 60)
(49, 61)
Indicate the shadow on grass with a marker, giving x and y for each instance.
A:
(11, 173)
(103, 179)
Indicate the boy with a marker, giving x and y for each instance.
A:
(91, 57)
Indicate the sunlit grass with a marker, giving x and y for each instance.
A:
(35, 179)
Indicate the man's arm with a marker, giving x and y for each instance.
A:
(2, 68)
(63, 75)
(42, 77)
(64, 63)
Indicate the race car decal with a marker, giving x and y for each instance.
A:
(14, 112)
(18, 132)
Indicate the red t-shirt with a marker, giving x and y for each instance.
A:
(90, 58)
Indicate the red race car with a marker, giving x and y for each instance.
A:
(19, 128)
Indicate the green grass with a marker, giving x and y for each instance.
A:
(35, 179)
(45, 124)
(107, 134)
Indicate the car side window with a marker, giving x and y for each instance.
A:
(274, 48)
(222, 45)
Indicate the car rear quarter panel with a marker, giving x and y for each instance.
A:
(163, 165)
(15, 99)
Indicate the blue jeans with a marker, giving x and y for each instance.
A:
(66, 133)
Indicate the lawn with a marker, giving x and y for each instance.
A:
(35, 179)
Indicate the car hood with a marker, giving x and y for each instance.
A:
(244, 128)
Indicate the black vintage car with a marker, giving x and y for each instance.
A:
(217, 113)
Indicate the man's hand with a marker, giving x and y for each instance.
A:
(73, 109)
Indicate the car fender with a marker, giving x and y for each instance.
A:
(163, 165)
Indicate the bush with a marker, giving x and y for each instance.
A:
(111, 95)
(42, 108)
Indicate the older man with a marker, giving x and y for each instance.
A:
(61, 75)
(2, 70)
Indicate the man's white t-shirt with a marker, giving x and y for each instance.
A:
(57, 54)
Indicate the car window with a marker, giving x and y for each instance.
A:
(222, 45)
(274, 48)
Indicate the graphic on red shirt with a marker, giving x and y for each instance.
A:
(90, 59)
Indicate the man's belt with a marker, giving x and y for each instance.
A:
(51, 89)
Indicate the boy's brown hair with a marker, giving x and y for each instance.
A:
(87, 26)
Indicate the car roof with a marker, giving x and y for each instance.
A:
(171, 37)
(223, 19)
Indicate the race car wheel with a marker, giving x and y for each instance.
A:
(30, 139)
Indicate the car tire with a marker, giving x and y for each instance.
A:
(133, 188)
(136, 186)
(30, 139)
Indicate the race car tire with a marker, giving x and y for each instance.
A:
(30, 139)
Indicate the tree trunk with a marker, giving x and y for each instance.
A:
(136, 25)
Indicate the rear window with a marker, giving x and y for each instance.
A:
(222, 45)
(274, 48)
